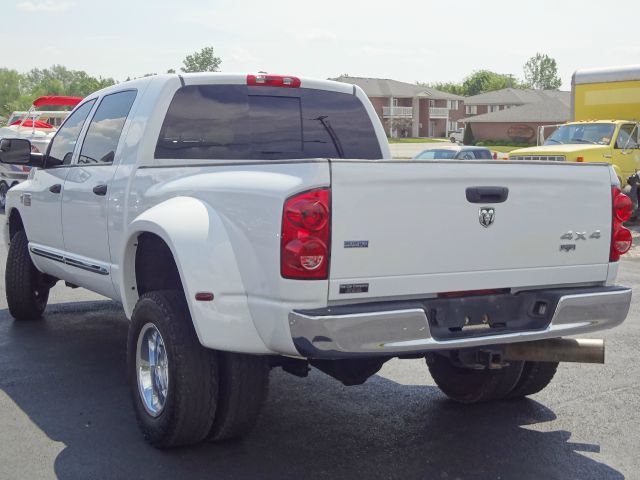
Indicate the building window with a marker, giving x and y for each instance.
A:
(494, 108)
(452, 104)
(432, 103)
(471, 109)
(453, 126)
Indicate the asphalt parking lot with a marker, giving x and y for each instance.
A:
(65, 413)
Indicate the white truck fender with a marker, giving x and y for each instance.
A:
(200, 245)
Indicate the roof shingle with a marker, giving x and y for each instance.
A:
(385, 87)
(546, 111)
(513, 96)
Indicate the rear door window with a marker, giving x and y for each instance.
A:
(483, 154)
(466, 155)
(103, 134)
(234, 122)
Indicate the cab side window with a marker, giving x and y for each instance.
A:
(62, 145)
(103, 134)
(466, 155)
(483, 154)
(628, 137)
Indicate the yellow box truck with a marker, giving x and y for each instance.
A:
(605, 106)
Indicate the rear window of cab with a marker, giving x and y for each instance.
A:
(240, 122)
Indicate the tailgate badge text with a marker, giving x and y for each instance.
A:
(356, 244)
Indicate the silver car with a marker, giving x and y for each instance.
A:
(455, 152)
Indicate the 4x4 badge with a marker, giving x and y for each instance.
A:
(486, 217)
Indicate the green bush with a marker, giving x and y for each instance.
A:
(505, 143)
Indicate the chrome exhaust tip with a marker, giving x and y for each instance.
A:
(557, 350)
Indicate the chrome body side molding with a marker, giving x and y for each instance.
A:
(83, 264)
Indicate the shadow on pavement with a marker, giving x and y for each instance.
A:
(67, 373)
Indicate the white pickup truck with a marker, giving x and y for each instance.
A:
(250, 222)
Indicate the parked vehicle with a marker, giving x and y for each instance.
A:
(457, 152)
(38, 127)
(251, 222)
(53, 118)
(10, 176)
(606, 111)
(456, 136)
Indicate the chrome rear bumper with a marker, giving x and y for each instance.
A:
(367, 331)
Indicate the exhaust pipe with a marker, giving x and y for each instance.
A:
(557, 350)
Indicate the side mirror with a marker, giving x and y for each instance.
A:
(17, 151)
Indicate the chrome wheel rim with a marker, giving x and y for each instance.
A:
(152, 367)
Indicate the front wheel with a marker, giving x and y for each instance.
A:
(26, 288)
(172, 377)
(468, 385)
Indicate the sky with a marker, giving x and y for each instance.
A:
(409, 41)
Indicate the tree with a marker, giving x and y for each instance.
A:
(541, 73)
(450, 87)
(482, 81)
(9, 88)
(59, 80)
(202, 61)
(17, 91)
(467, 138)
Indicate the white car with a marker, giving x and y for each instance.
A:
(455, 152)
(456, 136)
(248, 222)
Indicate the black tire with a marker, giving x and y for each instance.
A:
(27, 292)
(190, 404)
(244, 385)
(452, 139)
(466, 385)
(535, 377)
(4, 188)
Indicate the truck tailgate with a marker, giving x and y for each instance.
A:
(411, 228)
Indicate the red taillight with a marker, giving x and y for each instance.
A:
(305, 242)
(622, 209)
(621, 242)
(622, 205)
(286, 81)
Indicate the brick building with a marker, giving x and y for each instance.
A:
(519, 124)
(506, 98)
(409, 110)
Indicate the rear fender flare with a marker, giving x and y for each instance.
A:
(200, 245)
